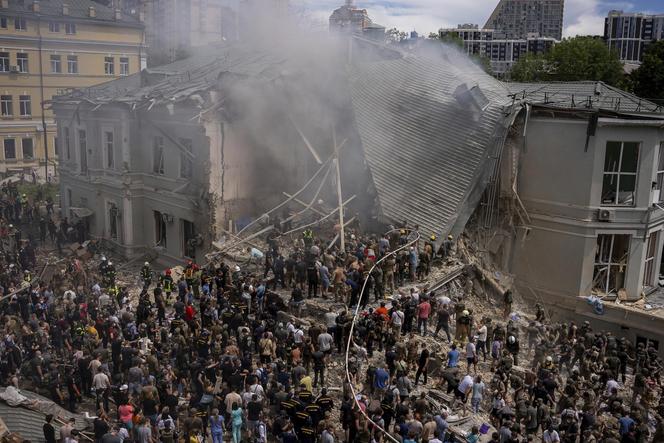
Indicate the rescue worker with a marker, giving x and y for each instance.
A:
(167, 283)
(146, 275)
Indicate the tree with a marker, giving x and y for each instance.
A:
(531, 68)
(434, 36)
(573, 59)
(648, 79)
(395, 36)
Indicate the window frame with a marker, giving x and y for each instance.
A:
(20, 24)
(6, 106)
(32, 148)
(4, 148)
(109, 65)
(124, 66)
(72, 60)
(4, 61)
(70, 28)
(23, 103)
(4, 22)
(184, 158)
(109, 148)
(158, 164)
(56, 63)
(53, 26)
(22, 62)
(618, 174)
(599, 265)
(649, 274)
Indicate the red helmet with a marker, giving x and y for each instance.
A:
(168, 272)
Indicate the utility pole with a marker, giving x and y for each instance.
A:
(342, 237)
(41, 90)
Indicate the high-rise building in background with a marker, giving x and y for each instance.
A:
(517, 19)
(49, 47)
(501, 51)
(349, 18)
(629, 34)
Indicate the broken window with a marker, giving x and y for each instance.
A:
(649, 276)
(620, 170)
(158, 155)
(159, 229)
(188, 239)
(113, 221)
(186, 165)
(83, 150)
(109, 146)
(27, 146)
(610, 263)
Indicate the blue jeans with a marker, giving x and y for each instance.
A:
(218, 437)
(237, 433)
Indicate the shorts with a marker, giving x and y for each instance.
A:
(470, 360)
(460, 395)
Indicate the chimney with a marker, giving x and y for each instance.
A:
(65, 9)
(92, 12)
(4, 4)
(118, 14)
(35, 6)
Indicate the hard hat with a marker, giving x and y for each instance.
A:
(124, 387)
(24, 195)
(465, 312)
(11, 226)
(110, 263)
(103, 258)
(449, 237)
(433, 237)
(549, 359)
(511, 339)
(237, 268)
(403, 231)
(146, 264)
(168, 272)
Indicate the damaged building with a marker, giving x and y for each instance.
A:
(563, 180)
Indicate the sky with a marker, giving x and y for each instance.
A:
(582, 17)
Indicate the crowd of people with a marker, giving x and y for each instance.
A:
(221, 353)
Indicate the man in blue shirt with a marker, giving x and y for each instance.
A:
(453, 357)
(626, 422)
(381, 379)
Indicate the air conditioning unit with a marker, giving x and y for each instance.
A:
(14, 69)
(606, 215)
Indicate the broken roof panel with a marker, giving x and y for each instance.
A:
(581, 95)
(429, 125)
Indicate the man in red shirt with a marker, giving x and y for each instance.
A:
(423, 311)
(189, 313)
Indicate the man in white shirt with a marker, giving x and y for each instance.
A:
(102, 385)
(397, 321)
(462, 391)
(481, 341)
(550, 435)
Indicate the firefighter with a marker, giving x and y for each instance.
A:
(109, 275)
(103, 265)
(146, 275)
(27, 276)
(308, 236)
(167, 283)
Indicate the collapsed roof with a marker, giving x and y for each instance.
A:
(428, 125)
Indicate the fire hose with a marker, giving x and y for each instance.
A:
(352, 327)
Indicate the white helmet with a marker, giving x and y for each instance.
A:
(110, 263)
(511, 339)
(103, 258)
(146, 264)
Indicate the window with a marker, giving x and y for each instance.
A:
(610, 263)
(158, 155)
(189, 239)
(83, 150)
(72, 64)
(56, 146)
(660, 173)
(620, 170)
(10, 149)
(113, 221)
(159, 229)
(3, 22)
(65, 133)
(109, 66)
(70, 28)
(25, 106)
(56, 64)
(185, 161)
(27, 146)
(6, 106)
(109, 147)
(124, 65)
(53, 27)
(22, 61)
(649, 277)
(20, 24)
(4, 61)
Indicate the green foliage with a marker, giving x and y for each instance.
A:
(452, 39)
(434, 36)
(648, 79)
(573, 59)
(39, 191)
(395, 36)
(531, 68)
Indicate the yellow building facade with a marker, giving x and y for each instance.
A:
(47, 48)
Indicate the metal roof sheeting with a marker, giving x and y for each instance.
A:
(581, 95)
(428, 151)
